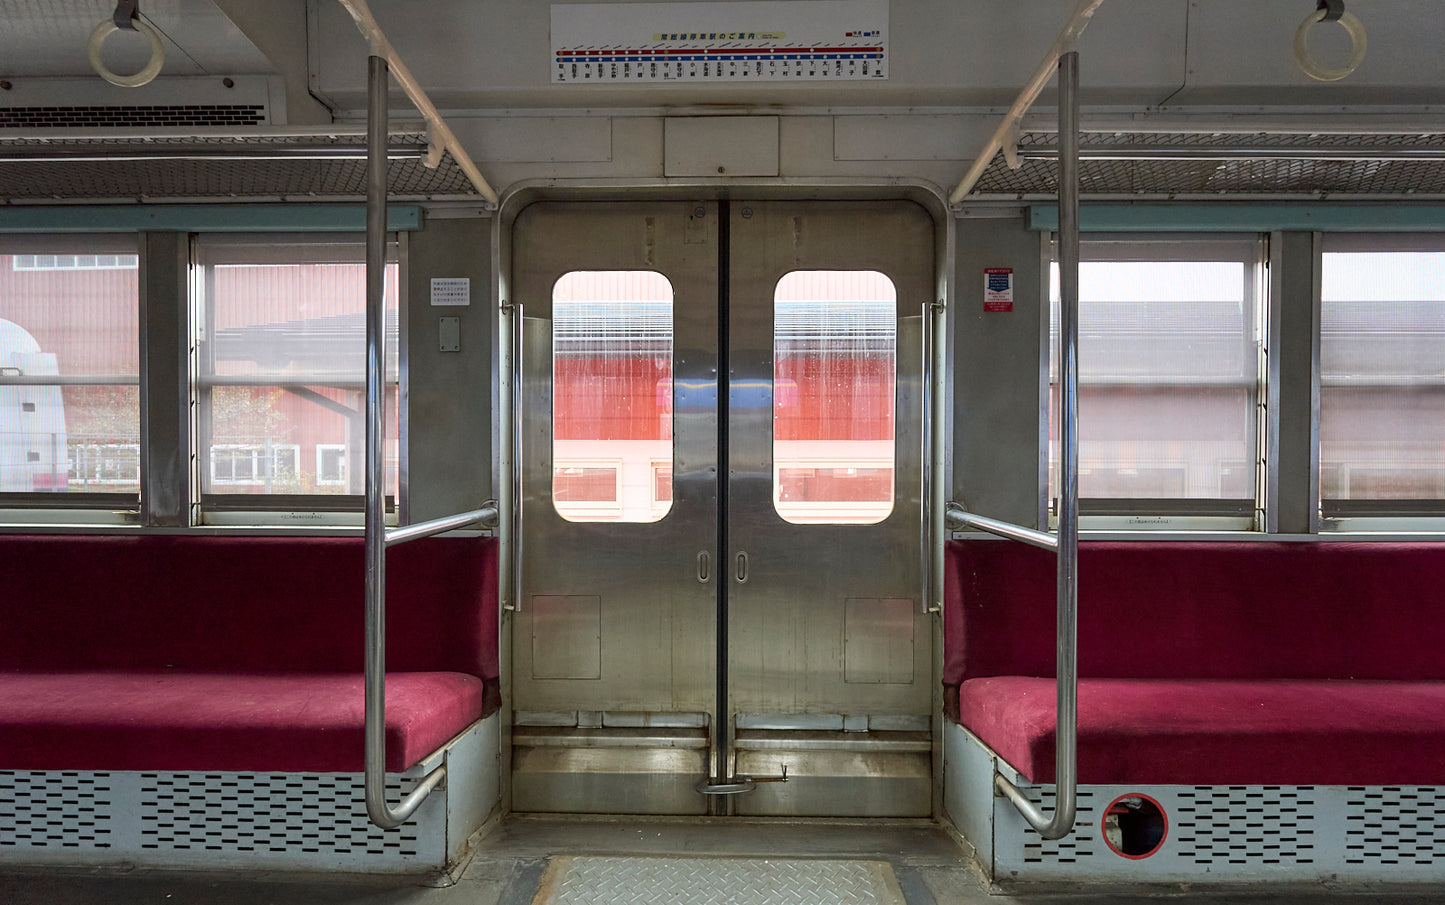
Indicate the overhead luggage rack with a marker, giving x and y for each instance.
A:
(220, 164)
(1180, 164)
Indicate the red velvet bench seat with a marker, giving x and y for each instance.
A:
(207, 653)
(1209, 663)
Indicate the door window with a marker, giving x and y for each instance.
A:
(612, 396)
(834, 364)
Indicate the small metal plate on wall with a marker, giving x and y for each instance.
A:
(717, 881)
(878, 641)
(566, 637)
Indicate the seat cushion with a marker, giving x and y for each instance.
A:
(1220, 732)
(166, 720)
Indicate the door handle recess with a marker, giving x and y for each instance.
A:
(742, 572)
(704, 567)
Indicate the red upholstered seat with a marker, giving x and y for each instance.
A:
(288, 723)
(1209, 663)
(192, 652)
(1218, 732)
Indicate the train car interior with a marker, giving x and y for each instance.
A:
(722, 451)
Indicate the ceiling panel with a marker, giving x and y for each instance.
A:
(47, 38)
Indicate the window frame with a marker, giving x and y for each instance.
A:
(257, 456)
(1346, 516)
(321, 450)
(1216, 514)
(629, 458)
(229, 509)
(103, 507)
(821, 453)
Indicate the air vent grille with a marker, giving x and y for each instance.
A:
(1081, 844)
(132, 117)
(55, 810)
(1395, 825)
(276, 813)
(1245, 825)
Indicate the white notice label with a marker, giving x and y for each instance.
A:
(451, 291)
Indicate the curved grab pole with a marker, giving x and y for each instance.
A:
(377, 809)
(1066, 542)
(1066, 778)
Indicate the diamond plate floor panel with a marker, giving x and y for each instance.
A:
(716, 881)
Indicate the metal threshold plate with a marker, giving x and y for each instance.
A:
(717, 881)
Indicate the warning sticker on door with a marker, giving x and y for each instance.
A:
(998, 289)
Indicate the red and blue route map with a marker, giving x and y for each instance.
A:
(782, 40)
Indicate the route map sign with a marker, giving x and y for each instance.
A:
(753, 41)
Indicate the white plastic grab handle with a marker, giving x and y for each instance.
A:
(152, 69)
(1311, 66)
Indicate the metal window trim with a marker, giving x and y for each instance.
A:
(1317, 244)
(1249, 249)
(127, 503)
(196, 218)
(1245, 217)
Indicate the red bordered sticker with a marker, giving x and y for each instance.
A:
(998, 289)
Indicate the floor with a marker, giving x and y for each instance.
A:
(509, 864)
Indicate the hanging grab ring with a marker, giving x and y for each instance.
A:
(1351, 24)
(127, 17)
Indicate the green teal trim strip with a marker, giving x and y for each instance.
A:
(202, 218)
(1227, 217)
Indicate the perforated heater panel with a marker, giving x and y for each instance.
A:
(322, 813)
(1073, 848)
(211, 819)
(1237, 834)
(1395, 826)
(56, 810)
(1244, 825)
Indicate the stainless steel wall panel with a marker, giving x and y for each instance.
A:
(788, 620)
(878, 641)
(566, 636)
(655, 617)
(608, 780)
(838, 784)
(825, 620)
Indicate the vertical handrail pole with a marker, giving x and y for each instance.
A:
(1066, 629)
(375, 532)
(1065, 760)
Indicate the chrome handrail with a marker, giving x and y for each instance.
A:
(959, 518)
(377, 809)
(486, 516)
(1066, 542)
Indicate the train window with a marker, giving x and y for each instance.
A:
(70, 370)
(280, 384)
(612, 396)
(1382, 359)
(1169, 377)
(834, 366)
